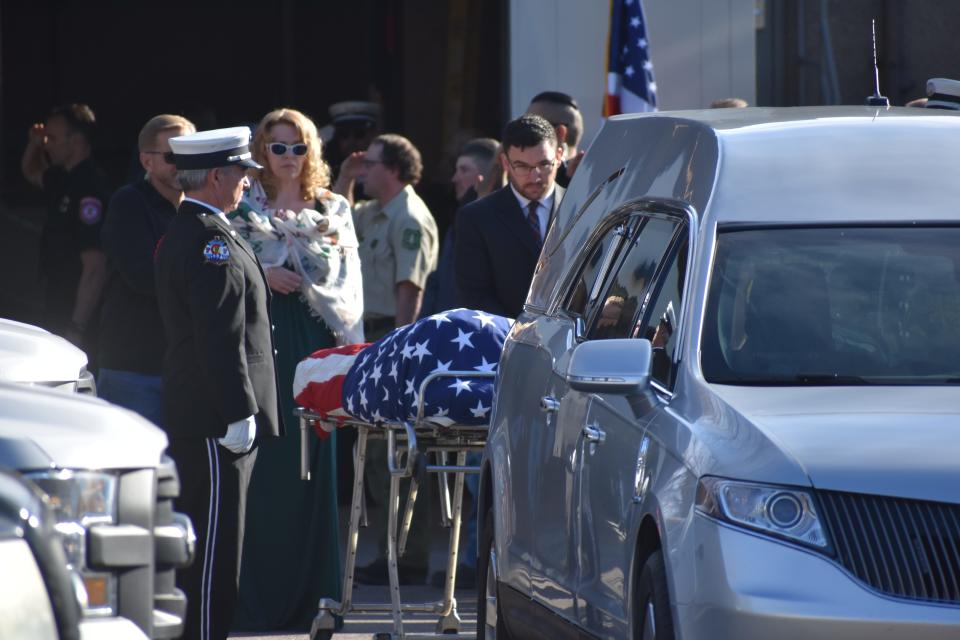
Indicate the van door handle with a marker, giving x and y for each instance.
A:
(594, 434)
(549, 404)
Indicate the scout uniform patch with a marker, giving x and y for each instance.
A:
(216, 251)
(91, 210)
(411, 239)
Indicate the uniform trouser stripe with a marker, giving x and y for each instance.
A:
(213, 516)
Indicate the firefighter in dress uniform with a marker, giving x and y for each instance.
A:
(219, 385)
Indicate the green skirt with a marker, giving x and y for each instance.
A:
(291, 550)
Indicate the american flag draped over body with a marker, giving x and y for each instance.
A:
(381, 382)
(384, 384)
(630, 84)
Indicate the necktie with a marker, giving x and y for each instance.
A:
(534, 220)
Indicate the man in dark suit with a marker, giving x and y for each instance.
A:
(499, 237)
(219, 386)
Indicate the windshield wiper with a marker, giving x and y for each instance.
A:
(829, 378)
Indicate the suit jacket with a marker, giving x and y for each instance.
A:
(215, 305)
(496, 252)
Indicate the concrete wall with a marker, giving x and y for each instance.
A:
(702, 50)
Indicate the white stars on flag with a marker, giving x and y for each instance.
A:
(479, 411)
(439, 318)
(463, 339)
(484, 319)
(421, 351)
(388, 385)
(460, 385)
(486, 366)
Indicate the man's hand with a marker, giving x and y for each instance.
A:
(283, 280)
(350, 170)
(34, 161)
(240, 435)
(37, 135)
(352, 165)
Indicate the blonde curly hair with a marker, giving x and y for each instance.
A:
(316, 172)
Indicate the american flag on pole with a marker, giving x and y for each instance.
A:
(630, 84)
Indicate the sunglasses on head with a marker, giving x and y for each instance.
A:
(279, 148)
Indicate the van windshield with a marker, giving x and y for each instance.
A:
(835, 305)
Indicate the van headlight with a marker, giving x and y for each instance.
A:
(79, 500)
(783, 512)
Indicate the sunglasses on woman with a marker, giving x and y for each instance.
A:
(279, 148)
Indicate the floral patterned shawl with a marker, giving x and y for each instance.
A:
(324, 256)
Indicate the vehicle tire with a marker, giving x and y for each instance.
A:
(651, 602)
(488, 604)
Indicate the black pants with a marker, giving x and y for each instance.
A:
(213, 492)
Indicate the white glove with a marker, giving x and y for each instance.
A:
(240, 435)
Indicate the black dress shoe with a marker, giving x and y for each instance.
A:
(376, 573)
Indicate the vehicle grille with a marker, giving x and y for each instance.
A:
(905, 548)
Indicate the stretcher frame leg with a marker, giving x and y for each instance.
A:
(442, 442)
(393, 507)
(444, 482)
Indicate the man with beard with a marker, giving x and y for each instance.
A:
(219, 384)
(131, 336)
(499, 237)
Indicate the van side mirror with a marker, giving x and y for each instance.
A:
(611, 366)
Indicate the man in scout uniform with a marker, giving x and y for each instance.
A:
(398, 236)
(219, 386)
(398, 250)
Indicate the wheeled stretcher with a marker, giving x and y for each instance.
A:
(416, 449)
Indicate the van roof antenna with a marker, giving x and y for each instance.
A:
(876, 100)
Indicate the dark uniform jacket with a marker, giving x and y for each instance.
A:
(496, 252)
(214, 301)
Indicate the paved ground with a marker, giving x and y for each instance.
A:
(364, 625)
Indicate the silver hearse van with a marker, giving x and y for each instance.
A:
(731, 406)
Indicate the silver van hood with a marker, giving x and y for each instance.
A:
(33, 355)
(79, 432)
(893, 441)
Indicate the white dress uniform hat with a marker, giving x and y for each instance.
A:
(354, 111)
(212, 149)
(943, 93)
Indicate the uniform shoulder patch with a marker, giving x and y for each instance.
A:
(216, 251)
(91, 210)
(411, 239)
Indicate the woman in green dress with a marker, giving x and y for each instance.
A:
(303, 235)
